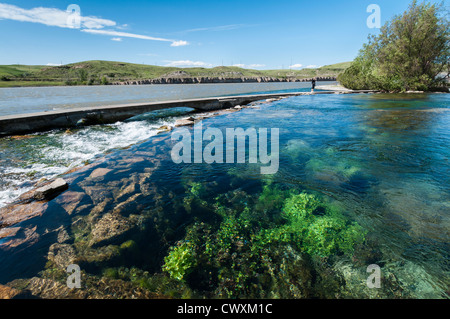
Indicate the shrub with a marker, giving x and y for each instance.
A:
(409, 53)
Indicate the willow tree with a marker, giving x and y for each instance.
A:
(412, 52)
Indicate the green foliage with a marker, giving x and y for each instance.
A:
(180, 260)
(83, 75)
(409, 53)
(104, 81)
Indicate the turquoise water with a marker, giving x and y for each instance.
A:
(362, 179)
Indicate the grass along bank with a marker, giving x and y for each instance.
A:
(107, 72)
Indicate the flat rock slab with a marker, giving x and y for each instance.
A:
(185, 122)
(14, 214)
(47, 191)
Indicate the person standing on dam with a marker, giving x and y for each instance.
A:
(313, 84)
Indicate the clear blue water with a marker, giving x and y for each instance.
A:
(40, 99)
(378, 161)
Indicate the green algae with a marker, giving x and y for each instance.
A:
(180, 260)
(238, 255)
(314, 228)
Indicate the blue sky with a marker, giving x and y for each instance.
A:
(255, 34)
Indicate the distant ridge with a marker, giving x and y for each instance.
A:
(110, 72)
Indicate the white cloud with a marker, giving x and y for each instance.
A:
(51, 17)
(70, 19)
(218, 28)
(187, 63)
(133, 35)
(249, 66)
(312, 66)
(296, 66)
(53, 64)
(179, 43)
(122, 27)
(124, 34)
(117, 39)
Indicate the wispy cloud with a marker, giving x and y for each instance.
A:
(117, 39)
(175, 43)
(217, 28)
(187, 63)
(51, 17)
(124, 34)
(64, 19)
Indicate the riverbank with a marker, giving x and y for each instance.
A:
(109, 72)
(215, 80)
(167, 80)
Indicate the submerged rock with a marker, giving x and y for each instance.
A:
(62, 255)
(11, 293)
(14, 214)
(111, 226)
(92, 287)
(100, 172)
(69, 201)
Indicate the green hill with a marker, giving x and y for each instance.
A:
(104, 72)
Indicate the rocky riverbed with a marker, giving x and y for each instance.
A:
(140, 226)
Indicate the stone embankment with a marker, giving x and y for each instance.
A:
(199, 80)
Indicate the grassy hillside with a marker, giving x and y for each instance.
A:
(104, 72)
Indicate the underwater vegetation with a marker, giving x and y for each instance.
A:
(221, 238)
(180, 260)
(240, 254)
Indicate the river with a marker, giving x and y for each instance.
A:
(363, 180)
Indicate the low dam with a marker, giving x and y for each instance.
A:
(43, 121)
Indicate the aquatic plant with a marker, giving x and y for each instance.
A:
(314, 228)
(244, 253)
(180, 261)
(271, 198)
(299, 207)
(194, 196)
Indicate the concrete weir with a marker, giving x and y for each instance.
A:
(43, 121)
